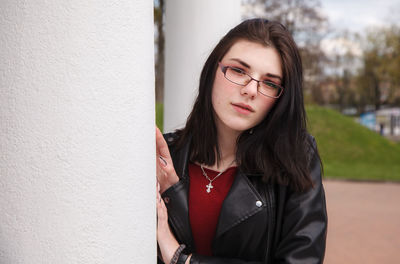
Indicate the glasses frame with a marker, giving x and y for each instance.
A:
(224, 68)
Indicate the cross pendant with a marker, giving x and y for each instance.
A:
(209, 186)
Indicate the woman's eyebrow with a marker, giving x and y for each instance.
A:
(273, 76)
(248, 67)
(241, 62)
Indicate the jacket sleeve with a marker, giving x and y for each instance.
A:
(304, 222)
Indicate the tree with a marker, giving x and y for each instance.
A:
(379, 77)
(344, 54)
(160, 42)
(301, 17)
(307, 25)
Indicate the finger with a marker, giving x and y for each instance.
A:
(162, 146)
(158, 139)
(163, 161)
(161, 174)
(158, 191)
(162, 214)
(165, 165)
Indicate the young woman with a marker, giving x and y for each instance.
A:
(241, 182)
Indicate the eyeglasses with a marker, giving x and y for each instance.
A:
(240, 77)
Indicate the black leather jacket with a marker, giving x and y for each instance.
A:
(258, 223)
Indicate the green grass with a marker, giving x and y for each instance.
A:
(160, 116)
(351, 151)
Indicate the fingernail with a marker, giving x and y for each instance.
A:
(163, 161)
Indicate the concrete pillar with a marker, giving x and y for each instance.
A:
(192, 29)
(77, 174)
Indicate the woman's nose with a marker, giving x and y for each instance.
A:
(250, 89)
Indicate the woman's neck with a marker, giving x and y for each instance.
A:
(227, 148)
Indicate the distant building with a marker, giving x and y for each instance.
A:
(384, 121)
(388, 121)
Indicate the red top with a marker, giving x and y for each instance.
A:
(204, 208)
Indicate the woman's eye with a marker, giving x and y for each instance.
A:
(237, 70)
(271, 84)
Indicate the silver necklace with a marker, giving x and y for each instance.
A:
(210, 186)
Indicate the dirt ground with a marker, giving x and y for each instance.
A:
(363, 222)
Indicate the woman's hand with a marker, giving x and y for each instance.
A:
(166, 240)
(166, 177)
(166, 174)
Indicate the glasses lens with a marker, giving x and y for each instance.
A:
(240, 77)
(237, 76)
(270, 89)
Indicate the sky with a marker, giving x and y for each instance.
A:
(356, 15)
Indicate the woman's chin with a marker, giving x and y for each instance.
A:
(241, 128)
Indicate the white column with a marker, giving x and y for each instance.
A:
(192, 29)
(77, 170)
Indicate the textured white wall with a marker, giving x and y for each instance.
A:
(77, 145)
(192, 29)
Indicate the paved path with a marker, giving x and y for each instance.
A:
(363, 222)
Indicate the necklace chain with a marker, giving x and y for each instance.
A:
(210, 186)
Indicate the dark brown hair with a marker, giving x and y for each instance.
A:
(279, 146)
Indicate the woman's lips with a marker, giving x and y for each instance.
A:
(243, 109)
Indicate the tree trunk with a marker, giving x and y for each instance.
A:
(160, 57)
(377, 93)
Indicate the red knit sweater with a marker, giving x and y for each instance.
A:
(204, 208)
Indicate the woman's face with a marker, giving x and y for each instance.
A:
(237, 107)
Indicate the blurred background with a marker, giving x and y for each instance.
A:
(351, 58)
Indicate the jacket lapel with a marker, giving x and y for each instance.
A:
(242, 202)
